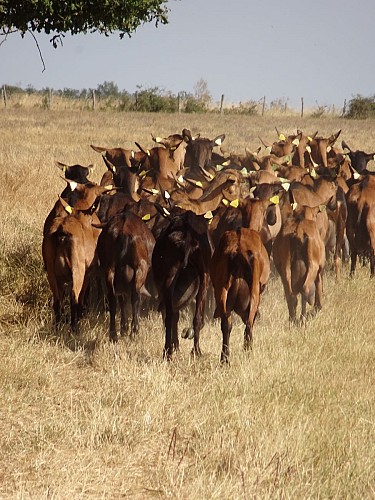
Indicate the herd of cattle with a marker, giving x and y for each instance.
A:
(181, 223)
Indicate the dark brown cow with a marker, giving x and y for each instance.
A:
(360, 226)
(359, 159)
(180, 264)
(125, 247)
(199, 152)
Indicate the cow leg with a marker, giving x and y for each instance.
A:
(248, 337)
(291, 300)
(136, 302)
(112, 315)
(226, 328)
(353, 260)
(198, 320)
(171, 332)
(123, 319)
(372, 263)
(318, 292)
(57, 310)
(303, 309)
(74, 312)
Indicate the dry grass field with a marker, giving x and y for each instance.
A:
(81, 418)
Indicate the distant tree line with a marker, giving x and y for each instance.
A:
(156, 99)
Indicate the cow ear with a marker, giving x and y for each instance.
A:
(186, 135)
(219, 140)
(109, 165)
(61, 166)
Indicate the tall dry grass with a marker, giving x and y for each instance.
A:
(84, 419)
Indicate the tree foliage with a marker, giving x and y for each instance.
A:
(361, 107)
(80, 16)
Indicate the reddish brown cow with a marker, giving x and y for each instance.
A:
(320, 146)
(299, 257)
(69, 255)
(244, 269)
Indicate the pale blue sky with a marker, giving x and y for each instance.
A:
(244, 49)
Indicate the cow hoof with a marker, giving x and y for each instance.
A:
(188, 333)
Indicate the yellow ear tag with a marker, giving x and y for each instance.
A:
(329, 149)
(281, 137)
(243, 171)
(146, 217)
(103, 153)
(64, 169)
(296, 142)
(322, 208)
(208, 215)
(172, 148)
(199, 184)
(226, 163)
(225, 202)
(252, 189)
(308, 149)
(210, 176)
(234, 203)
(109, 187)
(113, 169)
(313, 173)
(309, 138)
(154, 191)
(73, 185)
(68, 209)
(268, 149)
(219, 167)
(294, 205)
(142, 174)
(158, 139)
(91, 169)
(275, 200)
(148, 152)
(285, 186)
(356, 175)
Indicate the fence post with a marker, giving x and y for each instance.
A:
(263, 105)
(221, 104)
(344, 108)
(4, 92)
(301, 107)
(49, 98)
(93, 99)
(179, 102)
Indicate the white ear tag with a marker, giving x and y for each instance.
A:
(166, 195)
(285, 186)
(73, 185)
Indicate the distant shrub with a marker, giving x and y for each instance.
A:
(243, 108)
(361, 107)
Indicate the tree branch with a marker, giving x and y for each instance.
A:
(40, 52)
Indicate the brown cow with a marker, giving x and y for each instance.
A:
(299, 257)
(244, 269)
(69, 255)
